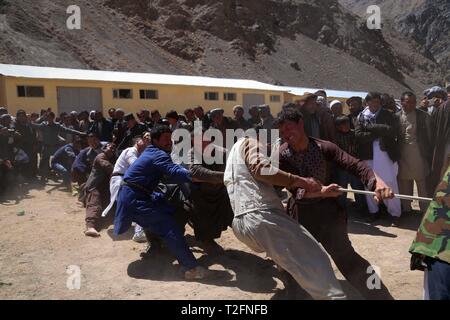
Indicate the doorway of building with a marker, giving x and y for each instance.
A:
(79, 99)
(250, 99)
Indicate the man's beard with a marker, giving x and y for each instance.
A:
(167, 150)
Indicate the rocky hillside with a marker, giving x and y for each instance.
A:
(299, 43)
(426, 23)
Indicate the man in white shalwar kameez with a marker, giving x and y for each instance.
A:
(388, 171)
(125, 160)
(377, 134)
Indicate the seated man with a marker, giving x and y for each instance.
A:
(63, 159)
(324, 217)
(261, 223)
(97, 188)
(139, 202)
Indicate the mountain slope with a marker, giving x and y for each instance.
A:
(426, 23)
(298, 43)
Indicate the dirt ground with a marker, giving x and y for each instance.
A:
(37, 248)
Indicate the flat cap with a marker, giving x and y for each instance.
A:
(352, 99)
(129, 117)
(216, 111)
(307, 97)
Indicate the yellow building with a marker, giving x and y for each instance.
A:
(64, 90)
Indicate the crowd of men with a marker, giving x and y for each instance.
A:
(126, 161)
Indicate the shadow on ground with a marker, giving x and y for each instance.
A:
(357, 223)
(18, 192)
(295, 292)
(127, 236)
(252, 273)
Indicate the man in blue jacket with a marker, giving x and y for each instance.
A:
(138, 202)
(63, 159)
(82, 165)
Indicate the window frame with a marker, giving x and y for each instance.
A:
(26, 94)
(118, 94)
(207, 95)
(277, 100)
(145, 91)
(227, 94)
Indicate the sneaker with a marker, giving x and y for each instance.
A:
(91, 232)
(197, 273)
(74, 188)
(153, 248)
(139, 237)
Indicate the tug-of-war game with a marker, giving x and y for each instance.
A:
(227, 150)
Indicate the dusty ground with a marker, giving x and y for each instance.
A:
(37, 248)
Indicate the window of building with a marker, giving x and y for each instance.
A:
(211, 96)
(228, 96)
(123, 94)
(148, 94)
(30, 91)
(275, 98)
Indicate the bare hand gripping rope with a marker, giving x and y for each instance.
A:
(398, 196)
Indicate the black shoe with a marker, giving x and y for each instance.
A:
(373, 217)
(212, 248)
(395, 222)
(409, 212)
(31, 179)
(67, 186)
(360, 208)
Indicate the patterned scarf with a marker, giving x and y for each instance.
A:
(367, 117)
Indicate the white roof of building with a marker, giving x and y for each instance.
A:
(147, 78)
(330, 93)
(21, 71)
